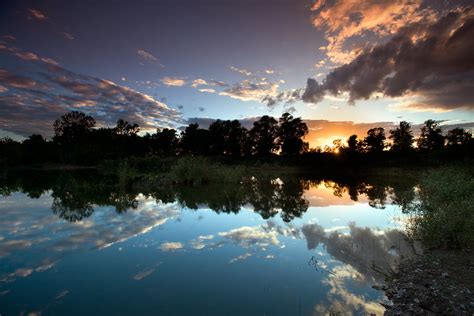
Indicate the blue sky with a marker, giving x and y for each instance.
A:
(222, 59)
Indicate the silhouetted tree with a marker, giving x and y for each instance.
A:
(402, 137)
(458, 137)
(164, 142)
(431, 137)
(69, 128)
(290, 133)
(263, 136)
(10, 151)
(195, 140)
(352, 144)
(375, 140)
(125, 128)
(37, 150)
(227, 137)
(338, 146)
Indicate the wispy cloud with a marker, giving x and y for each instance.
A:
(67, 35)
(208, 90)
(247, 90)
(241, 71)
(34, 14)
(148, 57)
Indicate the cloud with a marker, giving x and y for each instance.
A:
(171, 246)
(61, 294)
(257, 89)
(199, 242)
(67, 35)
(199, 82)
(173, 81)
(289, 97)
(241, 71)
(431, 60)
(36, 15)
(362, 247)
(94, 232)
(251, 91)
(35, 98)
(343, 20)
(241, 257)
(9, 37)
(208, 90)
(247, 236)
(146, 56)
(145, 273)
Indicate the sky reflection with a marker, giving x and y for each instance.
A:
(324, 260)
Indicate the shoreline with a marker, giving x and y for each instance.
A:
(438, 282)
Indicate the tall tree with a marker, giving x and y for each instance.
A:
(69, 128)
(227, 137)
(125, 128)
(352, 144)
(263, 136)
(35, 149)
(195, 140)
(402, 137)
(290, 134)
(164, 142)
(458, 137)
(431, 137)
(375, 140)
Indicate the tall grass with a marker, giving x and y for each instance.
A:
(443, 217)
(200, 170)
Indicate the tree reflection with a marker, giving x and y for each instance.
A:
(290, 199)
(71, 209)
(76, 194)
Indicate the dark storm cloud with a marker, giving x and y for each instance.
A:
(431, 60)
(31, 101)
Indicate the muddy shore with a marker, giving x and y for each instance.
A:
(437, 283)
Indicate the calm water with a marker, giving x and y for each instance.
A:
(84, 245)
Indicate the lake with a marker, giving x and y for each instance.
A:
(75, 243)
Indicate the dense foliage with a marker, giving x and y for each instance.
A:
(77, 140)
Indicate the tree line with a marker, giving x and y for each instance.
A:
(78, 140)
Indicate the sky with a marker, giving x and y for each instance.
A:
(343, 66)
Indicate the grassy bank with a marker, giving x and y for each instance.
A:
(443, 216)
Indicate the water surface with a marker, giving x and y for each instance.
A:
(82, 244)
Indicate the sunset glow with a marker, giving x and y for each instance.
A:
(168, 74)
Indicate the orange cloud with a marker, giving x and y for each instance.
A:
(345, 19)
